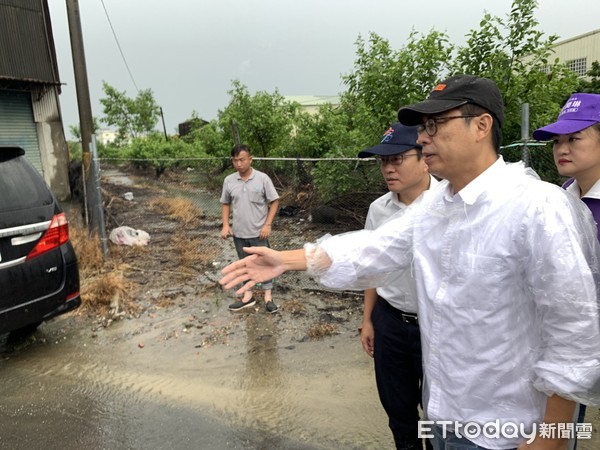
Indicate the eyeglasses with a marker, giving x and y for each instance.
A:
(430, 125)
(395, 160)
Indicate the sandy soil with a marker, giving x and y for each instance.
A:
(162, 276)
(164, 363)
(174, 310)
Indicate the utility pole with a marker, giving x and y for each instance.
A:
(525, 157)
(93, 194)
(164, 126)
(81, 82)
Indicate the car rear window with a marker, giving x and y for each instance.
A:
(21, 186)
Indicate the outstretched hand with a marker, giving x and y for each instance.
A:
(263, 264)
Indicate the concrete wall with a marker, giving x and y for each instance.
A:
(53, 145)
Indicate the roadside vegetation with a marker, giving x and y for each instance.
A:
(510, 50)
(178, 271)
(107, 288)
(104, 288)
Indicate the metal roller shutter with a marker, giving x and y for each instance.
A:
(17, 126)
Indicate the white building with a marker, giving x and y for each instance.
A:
(579, 52)
(106, 136)
(311, 103)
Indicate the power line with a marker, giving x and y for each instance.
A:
(119, 46)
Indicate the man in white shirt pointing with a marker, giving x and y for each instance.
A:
(507, 278)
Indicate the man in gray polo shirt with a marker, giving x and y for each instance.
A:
(255, 202)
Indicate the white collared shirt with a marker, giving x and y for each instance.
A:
(400, 290)
(507, 276)
(594, 191)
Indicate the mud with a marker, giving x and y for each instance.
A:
(169, 367)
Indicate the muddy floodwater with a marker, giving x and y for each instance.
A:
(158, 383)
(172, 368)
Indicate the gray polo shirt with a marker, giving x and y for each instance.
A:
(249, 202)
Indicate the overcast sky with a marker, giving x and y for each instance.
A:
(189, 51)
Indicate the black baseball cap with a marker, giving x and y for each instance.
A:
(397, 138)
(454, 92)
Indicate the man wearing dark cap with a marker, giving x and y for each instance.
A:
(458, 101)
(390, 329)
(507, 275)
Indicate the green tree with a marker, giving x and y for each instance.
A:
(512, 51)
(211, 139)
(382, 81)
(264, 121)
(75, 144)
(591, 85)
(133, 117)
(515, 54)
(153, 151)
(385, 79)
(76, 131)
(321, 134)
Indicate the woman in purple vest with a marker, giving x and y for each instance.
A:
(576, 147)
(576, 137)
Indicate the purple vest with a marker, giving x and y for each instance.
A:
(592, 203)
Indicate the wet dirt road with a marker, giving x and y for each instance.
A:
(191, 375)
(158, 383)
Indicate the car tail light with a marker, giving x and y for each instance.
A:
(56, 235)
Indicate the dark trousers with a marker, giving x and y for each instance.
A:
(240, 243)
(399, 373)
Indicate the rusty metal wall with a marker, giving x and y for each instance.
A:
(26, 44)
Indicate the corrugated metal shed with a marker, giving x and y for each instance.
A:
(313, 100)
(26, 47)
(579, 52)
(311, 103)
(17, 126)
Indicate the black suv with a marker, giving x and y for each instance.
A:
(39, 277)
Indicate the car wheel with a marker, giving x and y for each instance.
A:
(22, 333)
